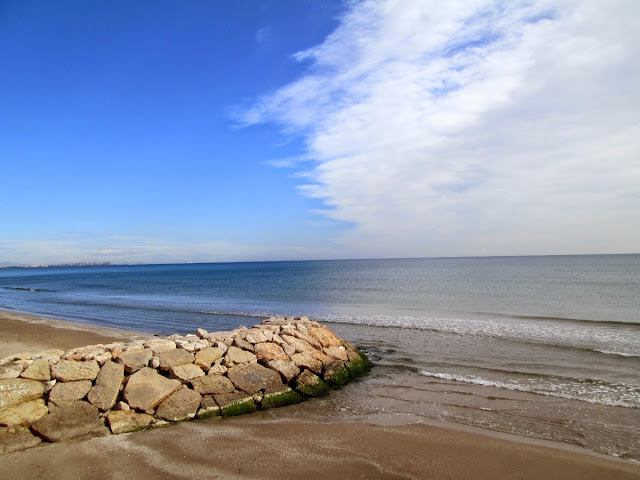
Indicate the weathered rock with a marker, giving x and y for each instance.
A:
(65, 393)
(217, 370)
(24, 413)
(134, 360)
(279, 397)
(49, 385)
(310, 385)
(206, 357)
(288, 349)
(38, 370)
(16, 439)
(173, 358)
(146, 388)
(14, 391)
(339, 353)
(222, 346)
(255, 337)
(234, 404)
(236, 356)
(122, 406)
(180, 405)
(265, 352)
(72, 371)
(287, 369)
(243, 344)
(160, 345)
(107, 387)
(124, 421)
(252, 378)
(307, 338)
(80, 419)
(202, 333)
(194, 347)
(208, 408)
(212, 384)
(51, 356)
(10, 371)
(308, 360)
(325, 336)
(186, 372)
(297, 343)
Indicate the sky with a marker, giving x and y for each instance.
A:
(205, 131)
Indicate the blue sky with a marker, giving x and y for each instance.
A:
(256, 130)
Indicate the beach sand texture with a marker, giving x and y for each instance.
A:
(279, 444)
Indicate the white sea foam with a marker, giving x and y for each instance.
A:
(591, 391)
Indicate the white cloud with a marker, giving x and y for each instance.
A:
(473, 127)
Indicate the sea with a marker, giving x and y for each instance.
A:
(544, 347)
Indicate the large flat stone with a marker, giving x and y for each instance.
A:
(253, 378)
(212, 384)
(266, 352)
(236, 356)
(173, 358)
(38, 370)
(180, 405)
(146, 388)
(135, 360)
(24, 413)
(72, 371)
(107, 387)
(325, 336)
(121, 421)
(287, 369)
(16, 439)
(160, 345)
(68, 392)
(205, 357)
(308, 360)
(80, 419)
(186, 372)
(14, 391)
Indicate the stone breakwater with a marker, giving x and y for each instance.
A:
(95, 390)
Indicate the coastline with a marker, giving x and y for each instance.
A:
(282, 443)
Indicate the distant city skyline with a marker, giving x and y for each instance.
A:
(163, 132)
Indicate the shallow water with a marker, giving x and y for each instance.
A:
(545, 347)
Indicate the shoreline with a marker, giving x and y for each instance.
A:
(21, 332)
(281, 442)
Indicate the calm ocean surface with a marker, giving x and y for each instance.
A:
(543, 347)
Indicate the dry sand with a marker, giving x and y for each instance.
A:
(277, 444)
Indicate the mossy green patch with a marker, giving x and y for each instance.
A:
(205, 413)
(239, 408)
(318, 389)
(339, 376)
(359, 366)
(280, 399)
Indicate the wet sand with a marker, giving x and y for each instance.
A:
(281, 444)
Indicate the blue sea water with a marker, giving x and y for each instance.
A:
(546, 347)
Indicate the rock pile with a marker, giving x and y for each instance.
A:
(124, 387)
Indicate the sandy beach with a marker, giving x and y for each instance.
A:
(282, 443)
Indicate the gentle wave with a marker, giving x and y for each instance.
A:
(590, 391)
(613, 339)
(27, 289)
